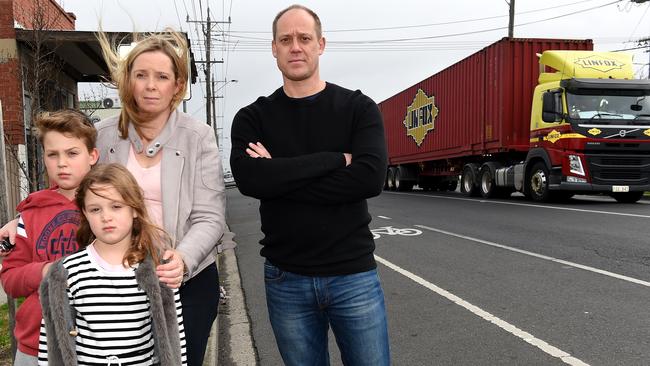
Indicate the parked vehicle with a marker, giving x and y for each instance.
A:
(546, 117)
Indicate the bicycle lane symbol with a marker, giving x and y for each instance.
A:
(389, 230)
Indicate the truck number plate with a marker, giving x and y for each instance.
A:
(620, 188)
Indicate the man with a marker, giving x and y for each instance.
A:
(313, 152)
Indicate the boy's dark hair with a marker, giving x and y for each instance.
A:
(67, 121)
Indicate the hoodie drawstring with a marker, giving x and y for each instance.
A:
(112, 359)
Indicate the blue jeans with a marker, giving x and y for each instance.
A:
(302, 309)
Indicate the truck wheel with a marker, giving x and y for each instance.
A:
(426, 186)
(400, 184)
(487, 185)
(390, 177)
(627, 197)
(468, 180)
(538, 182)
(452, 185)
(424, 183)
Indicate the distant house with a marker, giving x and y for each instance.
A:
(98, 110)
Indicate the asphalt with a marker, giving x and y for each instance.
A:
(235, 329)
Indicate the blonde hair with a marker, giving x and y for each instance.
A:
(147, 238)
(170, 42)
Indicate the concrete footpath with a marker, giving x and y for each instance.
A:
(231, 342)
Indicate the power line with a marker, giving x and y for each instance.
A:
(640, 19)
(456, 21)
(629, 49)
(471, 20)
(376, 41)
(481, 31)
(178, 16)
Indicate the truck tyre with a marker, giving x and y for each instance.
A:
(468, 181)
(487, 185)
(400, 184)
(538, 181)
(386, 181)
(627, 197)
(452, 185)
(390, 179)
(424, 183)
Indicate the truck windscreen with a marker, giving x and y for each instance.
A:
(604, 108)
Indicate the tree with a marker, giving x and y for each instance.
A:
(41, 70)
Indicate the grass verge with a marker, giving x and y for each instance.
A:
(5, 336)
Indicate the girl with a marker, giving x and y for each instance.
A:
(105, 304)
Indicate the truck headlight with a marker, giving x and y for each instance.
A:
(575, 165)
(572, 179)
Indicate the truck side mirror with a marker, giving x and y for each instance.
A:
(552, 106)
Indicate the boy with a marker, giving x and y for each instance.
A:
(48, 221)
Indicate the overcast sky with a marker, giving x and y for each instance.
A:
(362, 51)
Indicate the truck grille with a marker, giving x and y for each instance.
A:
(619, 170)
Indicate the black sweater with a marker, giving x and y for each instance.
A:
(313, 207)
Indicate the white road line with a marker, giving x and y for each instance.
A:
(525, 205)
(542, 345)
(541, 256)
(384, 217)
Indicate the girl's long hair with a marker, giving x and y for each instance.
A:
(148, 238)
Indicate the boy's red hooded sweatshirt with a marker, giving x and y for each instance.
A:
(47, 230)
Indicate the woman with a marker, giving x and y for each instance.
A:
(176, 162)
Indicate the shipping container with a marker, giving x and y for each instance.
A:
(478, 111)
(483, 102)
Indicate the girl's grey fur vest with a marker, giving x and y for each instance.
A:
(60, 322)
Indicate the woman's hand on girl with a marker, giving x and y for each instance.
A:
(170, 271)
(8, 232)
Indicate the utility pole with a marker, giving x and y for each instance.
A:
(207, 25)
(214, 109)
(208, 75)
(511, 22)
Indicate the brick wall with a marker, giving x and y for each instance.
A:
(12, 101)
(10, 86)
(6, 19)
(54, 17)
(23, 12)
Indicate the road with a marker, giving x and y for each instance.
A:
(493, 282)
